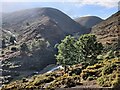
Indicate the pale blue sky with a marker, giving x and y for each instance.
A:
(74, 10)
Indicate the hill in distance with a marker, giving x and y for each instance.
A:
(17, 20)
(88, 21)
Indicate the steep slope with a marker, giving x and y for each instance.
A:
(16, 21)
(32, 26)
(88, 21)
(108, 31)
(46, 29)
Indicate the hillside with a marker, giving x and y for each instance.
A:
(102, 75)
(108, 31)
(88, 21)
(40, 29)
(17, 20)
(30, 38)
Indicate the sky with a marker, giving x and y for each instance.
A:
(73, 8)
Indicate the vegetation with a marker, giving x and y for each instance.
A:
(85, 49)
(24, 47)
(3, 43)
(12, 40)
(105, 72)
(67, 51)
(83, 62)
(88, 48)
(110, 74)
(37, 44)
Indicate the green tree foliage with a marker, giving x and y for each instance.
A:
(88, 48)
(85, 49)
(67, 51)
(37, 44)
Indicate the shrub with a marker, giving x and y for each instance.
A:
(14, 49)
(3, 43)
(2, 52)
(110, 74)
(85, 49)
(36, 44)
(84, 75)
(65, 81)
(101, 81)
(108, 69)
(12, 40)
(42, 79)
(116, 81)
(24, 47)
(75, 71)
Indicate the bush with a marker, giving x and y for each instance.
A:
(85, 49)
(108, 69)
(110, 76)
(24, 47)
(14, 49)
(75, 71)
(84, 75)
(12, 40)
(3, 43)
(100, 81)
(65, 81)
(2, 52)
(116, 81)
(42, 79)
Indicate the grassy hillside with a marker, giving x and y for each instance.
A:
(105, 73)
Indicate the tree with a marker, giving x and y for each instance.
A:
(85, 49)
(12, 40)
(3, 43)
(88, 48)
(27, 24)
(24, 47)
(36, 44)
(66, 51)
